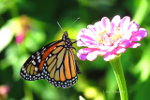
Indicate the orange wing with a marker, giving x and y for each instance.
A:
(62, 68)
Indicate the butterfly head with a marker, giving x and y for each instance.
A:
(68, 42)
(65, 36)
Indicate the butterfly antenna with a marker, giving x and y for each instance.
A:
(60, 26)
(74, 21)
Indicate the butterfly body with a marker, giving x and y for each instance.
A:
(54, 62)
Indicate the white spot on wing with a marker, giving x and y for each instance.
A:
(36, 69)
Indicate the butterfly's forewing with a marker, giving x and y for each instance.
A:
(32, 69)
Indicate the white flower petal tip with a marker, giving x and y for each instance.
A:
(109, 57)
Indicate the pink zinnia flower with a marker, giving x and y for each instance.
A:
(109, 38)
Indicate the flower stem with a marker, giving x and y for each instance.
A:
(118, 71)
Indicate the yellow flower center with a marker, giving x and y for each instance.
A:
(108, 38)
(116, 37)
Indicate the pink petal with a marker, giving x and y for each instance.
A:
(92, 56)
(127, 27)
(109, 56)
(120, 50)
(103, 47)
(134, 45)
(89, 53)
(87, 50)
(111, 48)
(82, 53)
(86, 37)
(105, 22)
(92, 28)
(90, 44)
(137, 36)
(133, 27)
(95, 28)
(124, 43)
(88, 32)
(84, 30)
(124, 24)
(115, 21)
(115, 45)
(81, 56)
(80, 43)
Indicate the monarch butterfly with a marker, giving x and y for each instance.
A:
(54, 62)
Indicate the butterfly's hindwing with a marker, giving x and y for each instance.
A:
(62, 72)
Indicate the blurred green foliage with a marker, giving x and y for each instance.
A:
(27, 25)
